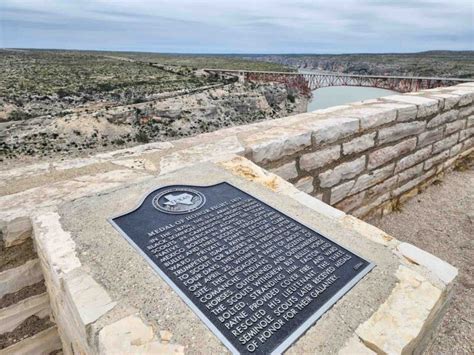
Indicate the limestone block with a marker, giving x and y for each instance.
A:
(17, 231)
(319, 158)
(374, 115)
(454, 126)
(426, 106)
(399, 131)
(15, 279)
(74, 163)
(331, 109)
(131, 336)
(29, 201)
(317, 205)
(470, 121)
(444, 271)
(134, 151)
(466, 111)
(369, 231)
(54, 246)
(382, 188)
(364, 102)
(412, 159)
(445, 143)
(443, 118)
(374, 177)
(396, 325)
(468, 143)
(455, 150)
(200, 152)
(405, 112)
(449, 100)
(24, 171)
(409, 195)
(331, 130)
(359, 144)
(44, 342)
(384, 155)
(410, 173)
(246, 169)
(355, 347)
(466, 133)
(305, 184)
(287, 171)
(448, 164)
(413, 183)
(341, 172)
(276, 143)
(13, 316)
(466, 96)
(136, 163)
(366, 208)
(351, 202)
(90, 300)
(431, 136)
(339, 192)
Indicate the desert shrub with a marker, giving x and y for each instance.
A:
(18, 115)
(142, 137)
(63, 93)
(118, 141)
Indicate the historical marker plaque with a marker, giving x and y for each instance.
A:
(256, 277)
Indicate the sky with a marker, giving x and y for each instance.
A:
(239, 26)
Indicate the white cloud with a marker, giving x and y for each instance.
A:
(239, 26)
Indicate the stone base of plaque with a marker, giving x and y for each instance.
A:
(107, 299)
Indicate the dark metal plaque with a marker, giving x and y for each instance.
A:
(257, 277)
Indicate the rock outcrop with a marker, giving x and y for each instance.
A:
(163, 119)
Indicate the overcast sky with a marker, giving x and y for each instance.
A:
(239, 26)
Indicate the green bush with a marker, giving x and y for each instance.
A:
(142, 137)
(18, 115)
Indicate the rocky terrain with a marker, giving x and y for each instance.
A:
(74, 103)
(434, 63)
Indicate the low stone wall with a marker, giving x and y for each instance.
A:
(95, 315)
(368, 157)
(359, 157)
(26, 319)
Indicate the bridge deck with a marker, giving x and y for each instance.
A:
(341, 75)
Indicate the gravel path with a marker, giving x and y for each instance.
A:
(441, 221)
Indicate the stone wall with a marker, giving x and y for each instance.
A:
(27, 324)
(368, 157)
(361, 158)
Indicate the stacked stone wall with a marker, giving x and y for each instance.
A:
(362, 158)
(369, 157)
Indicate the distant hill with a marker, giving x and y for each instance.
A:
(459, 64)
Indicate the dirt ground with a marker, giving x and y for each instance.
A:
(441, 221)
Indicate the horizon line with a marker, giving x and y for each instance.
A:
(234, 53)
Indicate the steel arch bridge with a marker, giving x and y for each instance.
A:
(307, 82)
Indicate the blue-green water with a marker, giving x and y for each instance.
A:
(339, 95)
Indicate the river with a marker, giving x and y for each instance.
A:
(339, 95)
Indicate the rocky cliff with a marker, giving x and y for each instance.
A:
(163, 119)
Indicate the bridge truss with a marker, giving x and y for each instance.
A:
(307, 82)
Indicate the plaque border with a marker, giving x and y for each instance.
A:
(298, 332)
